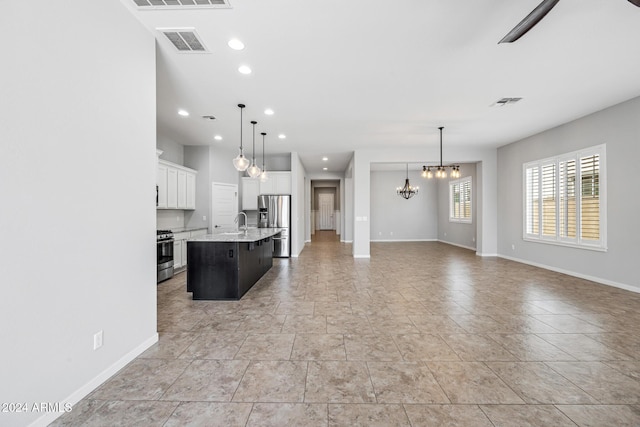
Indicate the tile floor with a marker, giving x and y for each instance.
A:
(421, 334)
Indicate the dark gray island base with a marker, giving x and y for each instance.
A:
(225, 265)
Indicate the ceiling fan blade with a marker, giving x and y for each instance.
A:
(532, 19)
(636, 2)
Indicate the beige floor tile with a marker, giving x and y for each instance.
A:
(362, 415)
(338, 382)
(472, 382)
(526, 416)
(272, 381)
(319, 347)
(305, 324)
(436, 324)
(475, 347)
(602, 415)
(626, 342)
(630, 368)
(170, 345)
(266, 347)
(207, 380)
(219, 323)
(601, 381)
(300, 308)
(210, 414)
(288, 414)
(392, 325)
(447, 415)
(582, 347)
(268, 323)
(405, 382)
(222, 345)
(568, 324)
(371, 347)
(323, 308)
(536, 383)
(529, 347)
(142, 379)
(348, 324)
(130, 413)
(79, 414)
(424, 347)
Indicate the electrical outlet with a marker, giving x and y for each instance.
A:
(391, 233)
(177, 219)
(204, 218)
(379, 233)
(473, 239)
(97, 340)
(513, 247)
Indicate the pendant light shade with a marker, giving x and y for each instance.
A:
(407, 191)
(263, 176)
(254, 170)
(241, 163)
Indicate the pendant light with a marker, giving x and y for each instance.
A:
(253, 170)
(441, 170)
(407, 191)
(241, 163)
(263, 176)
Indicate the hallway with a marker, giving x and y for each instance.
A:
(421, 334)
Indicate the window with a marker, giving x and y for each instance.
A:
(460, 200)
(564, 199)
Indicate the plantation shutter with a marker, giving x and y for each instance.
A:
(590, 197)
(567, 199)
(532, 217)
(549, 200)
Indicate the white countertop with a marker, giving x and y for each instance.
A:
(235, 235)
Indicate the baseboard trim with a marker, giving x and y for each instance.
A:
(362, 256)
(575, 274)
(471, 248)
(84, 391)
(486, 255)
(404, 240)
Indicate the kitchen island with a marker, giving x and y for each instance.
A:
(226, 264)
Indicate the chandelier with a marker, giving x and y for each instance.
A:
(441, 170)
(407, 191)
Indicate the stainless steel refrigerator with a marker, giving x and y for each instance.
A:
(274, 211)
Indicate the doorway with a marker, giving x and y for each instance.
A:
(325, 211)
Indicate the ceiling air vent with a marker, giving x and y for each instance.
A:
(505, 101)
(186, 40)
(182, 4)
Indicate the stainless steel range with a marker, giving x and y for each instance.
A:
(164, 239)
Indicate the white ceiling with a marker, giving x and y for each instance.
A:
(353, 74)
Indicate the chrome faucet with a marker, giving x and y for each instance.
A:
(245, 220)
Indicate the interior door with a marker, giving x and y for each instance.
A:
(224, 205)
(326, 211)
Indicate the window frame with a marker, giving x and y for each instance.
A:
(559, 197)
(459, 182)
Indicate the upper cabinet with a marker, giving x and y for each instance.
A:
(278, 183)
(176, 186)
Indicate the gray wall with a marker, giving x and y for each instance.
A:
(460, 234)
(619, 128)
(325, 186)
(197, 157)
(394, 218)
(78, 186)
(172, 150)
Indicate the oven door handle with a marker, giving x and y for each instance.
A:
(165, 241)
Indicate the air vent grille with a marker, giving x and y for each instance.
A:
(186, 40)
(181, 4)
(505, 101)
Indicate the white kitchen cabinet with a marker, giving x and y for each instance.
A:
(250, 191)
(172, 188)
(177, 253)
(278, 183)
(191, 191)
(176, 186)
(182, 189)
(161, 182)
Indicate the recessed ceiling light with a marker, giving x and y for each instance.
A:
(324, 159)
(183, 113)
(324, 169)
(217, 138)
(243, 69)
(236, 44)
(282, 136)
(268, 112)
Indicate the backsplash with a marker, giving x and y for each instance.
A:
(167, 219)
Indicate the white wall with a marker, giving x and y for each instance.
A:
(457, 233)
(396, 219)
(172, 151)
(77, 184)
(619, 128)
(299, 189)
(197, 157)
